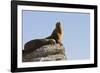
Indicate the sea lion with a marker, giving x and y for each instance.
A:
(57, 33)
(55, 37)
(35, 44)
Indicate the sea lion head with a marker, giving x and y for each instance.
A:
(59, 28)
(58, 24)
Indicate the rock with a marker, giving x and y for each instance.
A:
(45, 53)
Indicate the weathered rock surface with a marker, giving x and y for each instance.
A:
(46, 53)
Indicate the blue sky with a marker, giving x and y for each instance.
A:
(76, 39)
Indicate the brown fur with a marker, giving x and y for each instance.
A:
(35, 44)
(57, 33)
(55, 37)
